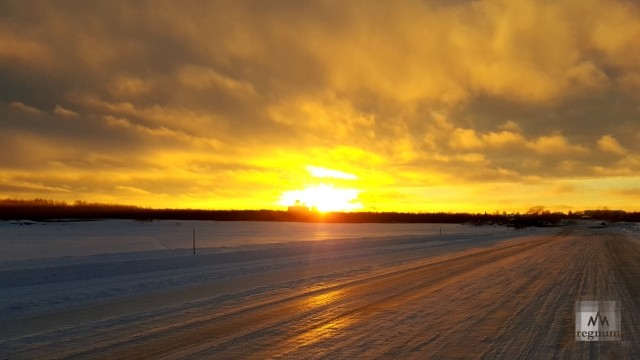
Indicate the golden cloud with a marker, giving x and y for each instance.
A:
(556, 145)
(61, 111)
(22, 49)
(608, 143)
(24, 107)
(232, 101)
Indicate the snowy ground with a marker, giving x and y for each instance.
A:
(136, 290)
(21, 240)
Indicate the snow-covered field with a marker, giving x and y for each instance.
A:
(22, 240)
(58, 265)
(123, 289)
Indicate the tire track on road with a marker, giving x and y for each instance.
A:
(232, 332)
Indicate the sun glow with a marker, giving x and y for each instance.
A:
(321, 172)
(324, 198)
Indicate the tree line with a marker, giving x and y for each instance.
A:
(50, 210)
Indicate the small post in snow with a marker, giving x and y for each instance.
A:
(194, 241)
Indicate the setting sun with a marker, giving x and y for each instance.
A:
(324, 198)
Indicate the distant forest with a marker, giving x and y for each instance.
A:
(49, 210)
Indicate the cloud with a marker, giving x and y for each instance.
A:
(133, 190)
(232, 101)
(586, 76)
(329, 173)
(608, 143)
(26, 108)
(123, 87)
(60, 111)
(466, 139)
(628, 193)
(556, 145)
(202, 78)
(21, 49)
(162, 132)
(469, 139)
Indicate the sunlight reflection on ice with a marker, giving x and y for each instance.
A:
(326, 323)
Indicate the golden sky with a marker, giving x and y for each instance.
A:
(358, 105)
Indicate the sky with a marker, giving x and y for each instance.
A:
(406, 105)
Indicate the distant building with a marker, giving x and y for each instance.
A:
(298, 208)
